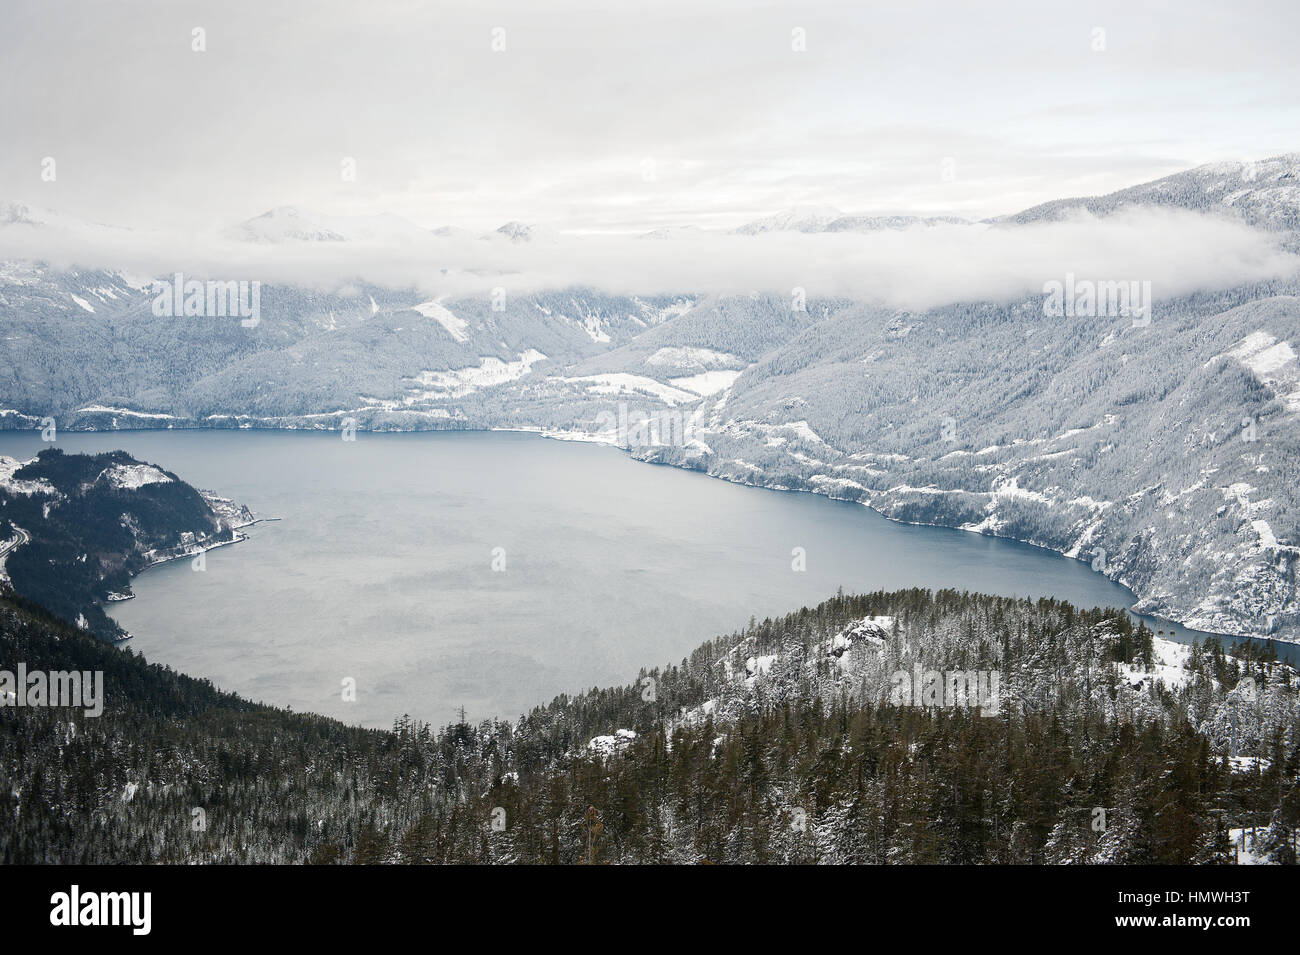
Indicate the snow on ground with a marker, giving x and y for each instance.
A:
(1248, 764)
(1266, 538)
(463, 381)
(1262, 353)
(696, 359)
(595, 330)
(230, 514)
(706, 382)
(660, 315)
(1085, 539)
(700, 713)
(869, 630)
(609, 745)
(1271, 361)
(773, 433)
(14, 486)
(1011, 488)
(84, 304)
(123, 412)
(908, 489)
(456, 327)
(833, 486)
(1244, 846)
(1170, 661)
(803, 431)
(131, 477)
(1239, 492)
(621, 383)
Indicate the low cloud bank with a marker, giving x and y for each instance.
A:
(1176, 251)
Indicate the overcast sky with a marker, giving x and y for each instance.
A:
(612, 116)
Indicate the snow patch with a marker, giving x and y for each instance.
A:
(621, 383)
(463, 381)
(605, 746)
(131, 477)
(693, 359)
(12, 485)
(706, 382)
(456, 327)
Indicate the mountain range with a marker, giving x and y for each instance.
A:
(1163, 453)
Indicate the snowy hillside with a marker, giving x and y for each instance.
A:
(1161, 454)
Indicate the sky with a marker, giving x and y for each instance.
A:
(623, 117)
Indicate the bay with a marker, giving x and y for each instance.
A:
(380, 567)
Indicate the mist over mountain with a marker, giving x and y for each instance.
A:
(1161, 450)
(900, 261)
(1012, 288)
(830, 219)
(1265, 194)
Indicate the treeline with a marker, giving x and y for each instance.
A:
(802, 759)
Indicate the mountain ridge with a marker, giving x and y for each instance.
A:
(1162, 453)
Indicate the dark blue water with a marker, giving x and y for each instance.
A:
(380, 569)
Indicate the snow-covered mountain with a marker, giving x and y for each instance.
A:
(21, 218)
(1265, 194)
(829, 219)
(876, 223)
(522, 232)
(797, 219)
(17, 213)
(1162, 454)
(291, 224)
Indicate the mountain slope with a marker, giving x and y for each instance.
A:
(779, 743)
(1265, 194)
(1158, 454)
(1162, 454)
(86, 524)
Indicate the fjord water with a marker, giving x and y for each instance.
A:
(380, 567)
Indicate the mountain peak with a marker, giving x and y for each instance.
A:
(794, 219)
(286, 223)
(517, 231)
(295, 224)
(18, 213)
(1263, 193)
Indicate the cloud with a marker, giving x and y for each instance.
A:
(1177, 251)
(555, 125)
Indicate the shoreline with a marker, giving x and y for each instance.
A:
(236, 538)
(583, 437)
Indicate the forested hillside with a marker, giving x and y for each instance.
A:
(1165, 456)
(80, 526)
(778, 743)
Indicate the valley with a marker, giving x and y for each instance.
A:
(1162, 453)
